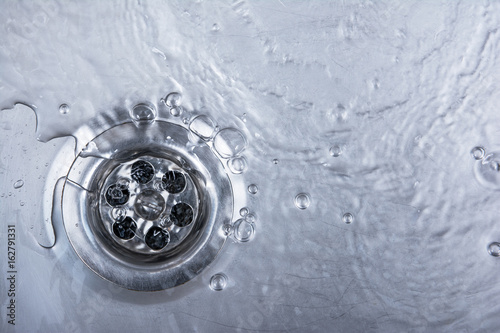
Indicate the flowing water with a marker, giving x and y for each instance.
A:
(367, 135)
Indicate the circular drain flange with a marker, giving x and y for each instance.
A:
(144, 206)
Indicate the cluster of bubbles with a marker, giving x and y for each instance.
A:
(487, 167)
(243, 230)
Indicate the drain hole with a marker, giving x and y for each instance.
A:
(157, 238)
(117, 195)
(142, 172)
(174, 182)
(181, 215)
(125, 229)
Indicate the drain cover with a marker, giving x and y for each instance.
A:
(144, 205)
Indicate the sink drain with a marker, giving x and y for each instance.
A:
(144, 205)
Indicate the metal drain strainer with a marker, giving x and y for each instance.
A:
(144, 206)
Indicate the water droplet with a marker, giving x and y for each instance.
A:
(237, 165)
(487, 172)
(250, 218)
(118, 213)
(302, 200)
(10, 194)
(123, 182)
(477, 153)
(185, 120)
(18, 184)
(143, 113)
(494, 249)
(215, 27)
(348, 218)
(64, 108)
(203, 126)
(227, 229)
(253, 189)
(218, 282)
(336, 150)
(21, 203)
(276, 161)
(76, 225)
(243, 230)
(244, 211)
(31, 227)
(229, 142)
(173, 99)
(176, 111)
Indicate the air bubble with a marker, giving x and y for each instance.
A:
(64, 108)
(348, 218)
(237, 165)
(173, 100)
(176, 111)
(302, 200)
(229, 142)
(477, 153)
(203, 126)
(18, 184)
(253, 189)
(143, 113)
(276, 161)
(494, 249)
(243, 230)
(218, 282)
(336, 151)
(244, 211)
(215, 27)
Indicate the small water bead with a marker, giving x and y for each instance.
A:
(218, 282)
(143, 113)
(302, 200)
(336, 150)
(237, 165)
(176, 111)
(18, 184)
(253, 189)
(21, 203)
(244, 211)
(243, 230)
(227, 229)
(348, 218)
(276, 161)
(494, 249)
(229, 142)
(64, 108)
(185, 120)
(477, 153)
(203, 126)
(118, 213)
(173, 99)
(215, 27)
(250, 218)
